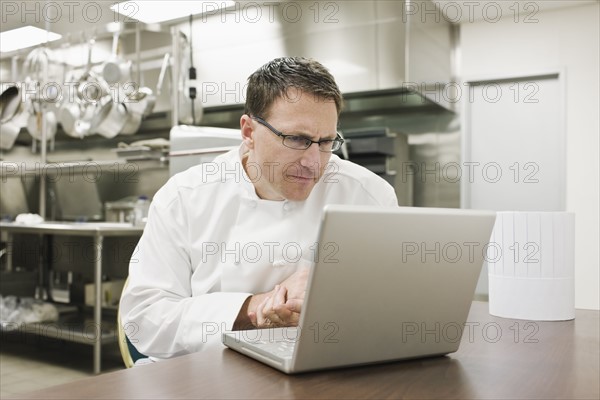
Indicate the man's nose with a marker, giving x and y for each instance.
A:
(311, 157)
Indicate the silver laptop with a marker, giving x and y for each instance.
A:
(389, 284)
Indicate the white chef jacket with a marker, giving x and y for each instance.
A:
(211, 242)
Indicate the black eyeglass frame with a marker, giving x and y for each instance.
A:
(338, 141)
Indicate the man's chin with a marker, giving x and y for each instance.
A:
(298, 195)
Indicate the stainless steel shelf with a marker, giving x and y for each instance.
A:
(98, 230)
(74, 228)
(72, 328)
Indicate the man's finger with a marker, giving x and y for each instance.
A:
(253, 319)
(260, 318)
(280, 295)
(294, 305)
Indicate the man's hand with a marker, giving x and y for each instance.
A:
(283, 306)
(296, 283)
(278, 308)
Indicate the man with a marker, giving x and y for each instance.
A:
(228, 245)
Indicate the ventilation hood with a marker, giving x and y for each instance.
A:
(391, 59)
(402, 110)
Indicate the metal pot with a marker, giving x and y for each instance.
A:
(34, 124)
(77, 122)
(75, 114)
(115, 69)
(109, 118)
(134, 118)
(11, 107)
(8, 134)
(149, 100)
(36, 64)
(147, 94)
(91, 88)
(138, 106)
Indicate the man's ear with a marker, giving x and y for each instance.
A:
(247, 131)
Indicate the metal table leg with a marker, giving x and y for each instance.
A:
(98, 242)
(9, 251)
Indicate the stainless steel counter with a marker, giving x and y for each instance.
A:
(96, 230)
(74, 228)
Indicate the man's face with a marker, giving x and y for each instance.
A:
(279, 172)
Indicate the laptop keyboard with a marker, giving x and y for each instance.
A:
(282, 349)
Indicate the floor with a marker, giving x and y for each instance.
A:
(29, 363)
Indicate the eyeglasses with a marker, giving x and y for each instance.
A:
(298, 142)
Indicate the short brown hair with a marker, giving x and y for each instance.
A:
(273, 80)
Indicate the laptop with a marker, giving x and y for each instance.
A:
(388, 284)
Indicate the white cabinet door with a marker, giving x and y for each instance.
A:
(514, 154)
(513, 146)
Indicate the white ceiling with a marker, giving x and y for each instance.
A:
(70, 17)
(61, 16)
(465, 11)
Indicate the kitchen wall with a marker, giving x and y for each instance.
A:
(560, 38)
(363, 44)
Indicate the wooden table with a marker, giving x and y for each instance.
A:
(498, 358)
